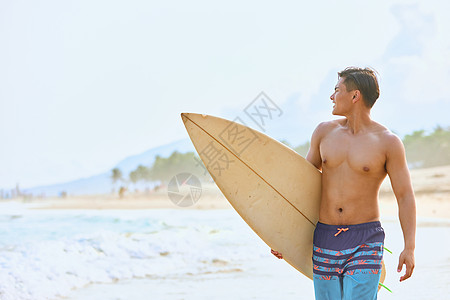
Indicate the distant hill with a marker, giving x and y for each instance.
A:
(101, 183)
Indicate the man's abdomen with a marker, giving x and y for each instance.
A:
(349, 197)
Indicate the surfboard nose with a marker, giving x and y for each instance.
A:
(184, 117)
(193, 117)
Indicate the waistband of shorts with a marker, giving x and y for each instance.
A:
(362, 226)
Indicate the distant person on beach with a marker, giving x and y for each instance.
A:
(355, 154)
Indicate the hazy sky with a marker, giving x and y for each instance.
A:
(83, 84)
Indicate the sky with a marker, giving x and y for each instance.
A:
(84, 84)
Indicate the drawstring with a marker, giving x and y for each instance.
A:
(340, 230)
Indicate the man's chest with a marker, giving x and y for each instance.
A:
(361, 153)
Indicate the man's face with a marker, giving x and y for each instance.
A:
(342, 99)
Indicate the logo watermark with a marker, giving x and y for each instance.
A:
(261, 109)
(236, 138)
(184, 189)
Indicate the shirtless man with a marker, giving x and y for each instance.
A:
(355, 154)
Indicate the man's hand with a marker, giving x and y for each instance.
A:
(277, 254)
(406, 258)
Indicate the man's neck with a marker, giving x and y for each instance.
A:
(358, 121)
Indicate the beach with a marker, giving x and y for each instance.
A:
(146, 247)
(431, 187)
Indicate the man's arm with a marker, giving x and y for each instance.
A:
(313, 155)
(398, 172)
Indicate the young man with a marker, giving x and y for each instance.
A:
(355, 154)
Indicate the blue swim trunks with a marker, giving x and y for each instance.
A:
(347, 261)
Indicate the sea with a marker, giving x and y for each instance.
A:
(179, 254)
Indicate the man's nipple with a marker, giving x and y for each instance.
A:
(366, 169)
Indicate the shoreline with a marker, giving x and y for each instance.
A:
(431, 187)
(429, 205)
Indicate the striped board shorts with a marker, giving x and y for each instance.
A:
(347, 260)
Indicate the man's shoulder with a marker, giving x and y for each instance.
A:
(387, 137)
(324, 128)
(327, 126)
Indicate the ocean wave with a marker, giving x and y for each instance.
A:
(61, 252)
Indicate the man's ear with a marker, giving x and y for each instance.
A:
(356, 96)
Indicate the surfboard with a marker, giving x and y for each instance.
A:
(274, 189)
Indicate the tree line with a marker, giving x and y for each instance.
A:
(428, 150)
(163, 169)
(422, 151)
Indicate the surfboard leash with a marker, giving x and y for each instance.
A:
(382, 285)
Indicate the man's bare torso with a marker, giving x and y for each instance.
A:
(353, 168)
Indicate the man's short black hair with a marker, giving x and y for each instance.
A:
(364, 80)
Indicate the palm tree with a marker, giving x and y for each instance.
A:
(116, 176)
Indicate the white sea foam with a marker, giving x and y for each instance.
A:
(45, 254)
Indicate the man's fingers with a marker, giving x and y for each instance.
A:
(400, 265)
(404, 277)
(409, 263)
(276, 253)
(401, 262)
(409, 271)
